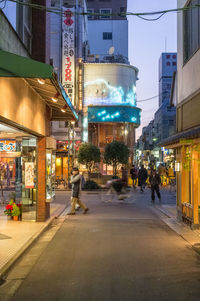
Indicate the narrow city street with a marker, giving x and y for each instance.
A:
(120, 250)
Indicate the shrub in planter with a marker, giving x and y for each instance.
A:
(91, 185)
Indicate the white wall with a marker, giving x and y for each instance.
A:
(119, 31)
(188, 74)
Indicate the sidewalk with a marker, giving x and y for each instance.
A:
(16, 237)
(168, 214)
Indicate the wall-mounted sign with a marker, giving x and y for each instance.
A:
(29, 175)
(114, 114)
(68, 55)
(7, 145)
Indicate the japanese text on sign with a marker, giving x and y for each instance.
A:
(68, 70)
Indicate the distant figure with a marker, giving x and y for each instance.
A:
(170, 172)
(142, 177)
(76, 183)
(162, 172)
(155, 181)
(124, 176)
(134, 175)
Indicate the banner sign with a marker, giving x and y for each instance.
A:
(29, 175)
(7, 145)
(68, 55)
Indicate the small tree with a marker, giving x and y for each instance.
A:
(88, 155)
(116, 153)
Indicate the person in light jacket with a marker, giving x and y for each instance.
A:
(76, 183)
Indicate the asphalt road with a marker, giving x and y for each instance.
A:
(120, 250)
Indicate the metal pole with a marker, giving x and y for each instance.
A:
(73, 147)
(68, 159)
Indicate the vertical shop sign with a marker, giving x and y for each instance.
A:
(29, 175)
(68, 56)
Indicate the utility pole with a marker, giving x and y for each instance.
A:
(68, 158)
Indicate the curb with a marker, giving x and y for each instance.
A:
(4, 271)
(195, 247)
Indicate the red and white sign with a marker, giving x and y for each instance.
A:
(68, 55)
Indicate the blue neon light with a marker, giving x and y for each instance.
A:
(100, 92)
(114, 114)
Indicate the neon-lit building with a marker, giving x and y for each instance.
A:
(110, 105)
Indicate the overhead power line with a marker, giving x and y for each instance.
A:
(153, 97)
(142, 15)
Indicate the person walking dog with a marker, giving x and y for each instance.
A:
(76, 183)
(155, 181)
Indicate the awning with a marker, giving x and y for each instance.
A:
(182, 137)
(12, 65)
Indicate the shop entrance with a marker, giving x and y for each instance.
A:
(18, 170)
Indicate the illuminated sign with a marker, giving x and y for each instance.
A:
(7, 146)
(68, 56)
(29, 175)
(114, 114)
(100, 92)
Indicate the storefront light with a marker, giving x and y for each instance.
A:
(63, 109)
(177, 166)
(55, 97)
(41, 81)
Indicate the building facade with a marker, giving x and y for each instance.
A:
(108, 34)
(110, 104)
(27, 92)
(186, 140)
(69, 48)
(110, 110)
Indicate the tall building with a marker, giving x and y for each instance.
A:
(110, 105)
(165, 116)
(186, 140)
(69, 48)
(108, 34)
(167, 67)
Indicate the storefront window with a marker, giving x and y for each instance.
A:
(18, 170)
(29, 179)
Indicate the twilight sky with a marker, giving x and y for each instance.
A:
(146, 43)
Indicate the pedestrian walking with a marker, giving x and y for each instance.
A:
(76, 183)
(124, 177)
(134, 175)
(155, 181)
(142, 177)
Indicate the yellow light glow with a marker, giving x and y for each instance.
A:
(58, 161)
(54, 99)
(41, 81)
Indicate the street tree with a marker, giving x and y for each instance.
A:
(88, 155)
(116, 153)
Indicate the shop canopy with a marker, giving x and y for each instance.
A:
(42, 79)
(182, 138)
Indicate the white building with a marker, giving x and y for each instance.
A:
(105, 34)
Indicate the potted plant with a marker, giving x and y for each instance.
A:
(15, 212)
(9, 209)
